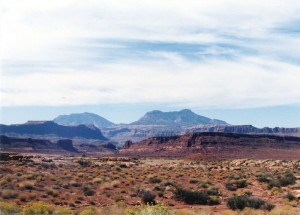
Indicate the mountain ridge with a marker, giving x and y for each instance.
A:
(183, 117)
(83, 118)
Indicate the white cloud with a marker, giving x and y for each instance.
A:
(49, 31)
(31, 28)
(216, 83)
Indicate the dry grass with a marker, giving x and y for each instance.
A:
(65, 182)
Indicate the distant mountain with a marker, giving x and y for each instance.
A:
(50, 128)
(83, 119)
(176, 118)
(137, 133)
(247, 129)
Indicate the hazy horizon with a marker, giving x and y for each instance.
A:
(130, 113)
(232, 60)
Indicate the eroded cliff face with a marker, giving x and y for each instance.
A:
(222, 145)
(14, 144)
(246, 129)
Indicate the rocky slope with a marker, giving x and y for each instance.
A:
(62, 146)
(49, 129)
(83, 119)
(176, 118)
(217, 145)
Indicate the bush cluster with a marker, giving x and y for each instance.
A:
(281, 181)
(264, 177)
(241, 202)
(146, 196)
(197, 197)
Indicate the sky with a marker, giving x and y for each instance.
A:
(233, 60)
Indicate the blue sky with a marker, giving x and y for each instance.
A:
(233, 60)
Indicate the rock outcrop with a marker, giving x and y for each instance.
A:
(220, 145)
(67, 145)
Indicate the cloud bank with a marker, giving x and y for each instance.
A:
(199, 53)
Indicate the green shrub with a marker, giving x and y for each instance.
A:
(241, 202)
(255, 203)
(287, 179)
(213, 191)
(237, 202)
(264, 177)
(38, 208)
(273, 183)
(281, 181)
(214, 200)
(241, 183)
(154, 180)
(194, 181)
(289, 196)
(169, 183)
(233, 185)
(148, 197)
(88, 191)
(230, 186)
(8, 208)
(267, 206)
(195, 197)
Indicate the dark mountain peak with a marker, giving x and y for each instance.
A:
(176, 118)
(85, 118)
(86, 114)
(186, 111)
(154, 111)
